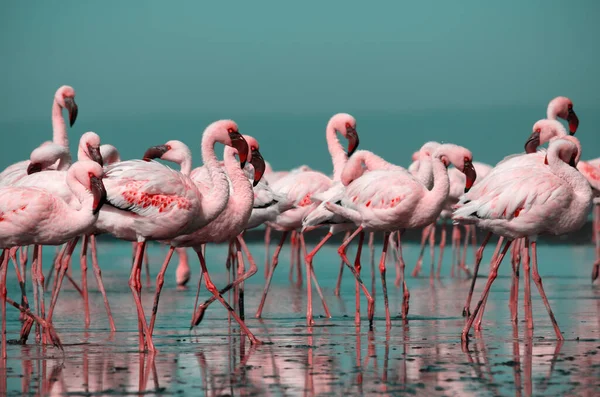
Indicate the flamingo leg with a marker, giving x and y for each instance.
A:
(136, 288)
(479, 318)
(20, 277)
(596, 231)
(3, 271)
(405, 291)
(514, 292)
(338, 285)
(292, 255)
(56, 266)
(424, 236)
(538, 282)
(193, 322)
(442, 246)
(298, 262)
(267, 243)
(342, 253)
(479, 255)
(382, 270)
(357, 268)
(199, 313)
(240, 273)
(98, 275)
(372, 260)
(61, 276)
(40, 284)
(274, 262)
(492, 276)
(83, 264)
(463, 262)
(160, 280)
(147, 267)
(527, 297)
(211, 287)
(474, 241)
(432, 250)
(309, 315)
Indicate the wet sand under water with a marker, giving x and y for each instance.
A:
(422, 356)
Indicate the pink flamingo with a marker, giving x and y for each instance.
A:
(56, 182)
(227, 225)
(525, 202)
(234, 218)
(361, 161)
(34, 216)
(299, 188)
(63, 98)
(152, 202)
(395, 200)
(543, 131)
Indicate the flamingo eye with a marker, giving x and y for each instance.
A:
(168, 147)
(253, 148)
(466, 159)
(348, 125)
(90, 174)
(231, 130)
(570, 106)
(538, 130)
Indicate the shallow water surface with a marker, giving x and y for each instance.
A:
(420, 356)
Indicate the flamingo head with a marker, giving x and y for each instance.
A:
(345, 124)
(461, 158)
(563, 107)
(228, 133)
(567, 149)
(90, 174)
(65, 97)
(175, 151)
(45, 155)
(89, 148)
(543, 131)
(110, 154)
(255, 158)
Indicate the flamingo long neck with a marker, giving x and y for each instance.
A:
(215, 200)
(361, 162)
(59, 127)
(64, 161)
(242, 195)
(425, 172)
(434, 200)
(186, 165)
(337, 152)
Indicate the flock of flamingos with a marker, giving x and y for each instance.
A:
(48, 200)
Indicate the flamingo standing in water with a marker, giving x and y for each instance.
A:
(524, 202)
(390, 200)
(30, 215)
(56, 182)
(543, 131)
(299, 188)
(152, 202)
(229, 223)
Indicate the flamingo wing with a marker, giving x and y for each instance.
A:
(147, 187)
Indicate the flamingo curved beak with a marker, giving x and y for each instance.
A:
(95, 155)
(353, 140)
(32, 168)
(533, 142)
(239, 143)
(98, 192)
(471, 175)
(573, 121)
(155, 152)
(258, 162)
(72, 108)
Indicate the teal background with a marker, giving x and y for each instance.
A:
(474, 73)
